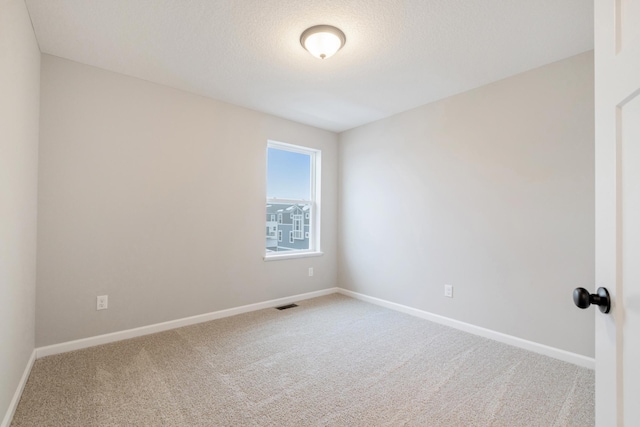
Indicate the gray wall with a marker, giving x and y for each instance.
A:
(156, 197)
(19, 110)
(491, 191)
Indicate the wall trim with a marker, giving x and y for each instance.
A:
(13, 405)
(172, 324)
(556, 353)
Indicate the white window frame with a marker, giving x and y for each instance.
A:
(314, 203)
(279, 235)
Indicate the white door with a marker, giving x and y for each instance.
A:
(617, 91)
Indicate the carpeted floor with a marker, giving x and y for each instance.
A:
(332, 361)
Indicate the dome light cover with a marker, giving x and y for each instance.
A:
(322, 41)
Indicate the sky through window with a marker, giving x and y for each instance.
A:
(288, 175)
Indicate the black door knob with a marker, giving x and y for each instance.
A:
(583, 299)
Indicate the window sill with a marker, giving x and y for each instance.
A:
(278, 257)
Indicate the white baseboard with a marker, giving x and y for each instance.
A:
(556, 353)
(6, 422)
(173, 324)
(566, 356)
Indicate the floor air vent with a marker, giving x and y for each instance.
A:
(284, 307)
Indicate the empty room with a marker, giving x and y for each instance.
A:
(338, 213)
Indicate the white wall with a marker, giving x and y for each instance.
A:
(491, 191)
(156, 197)
(19, 110)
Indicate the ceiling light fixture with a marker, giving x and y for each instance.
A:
(322, 41)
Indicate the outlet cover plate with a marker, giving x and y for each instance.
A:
(448, 291)
(102, 302)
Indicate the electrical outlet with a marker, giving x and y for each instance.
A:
(310, 271)
(102, 302)
(448, 291)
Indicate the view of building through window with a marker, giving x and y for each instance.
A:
(290, 207)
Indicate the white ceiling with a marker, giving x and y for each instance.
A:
(399, 53)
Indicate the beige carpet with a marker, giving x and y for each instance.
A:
(332, 361)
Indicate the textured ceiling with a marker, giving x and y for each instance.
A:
(399, 53)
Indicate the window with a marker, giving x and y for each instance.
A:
(297, 227)
(292, 177)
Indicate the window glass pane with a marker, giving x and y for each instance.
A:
(288, 175)
(294, 225)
